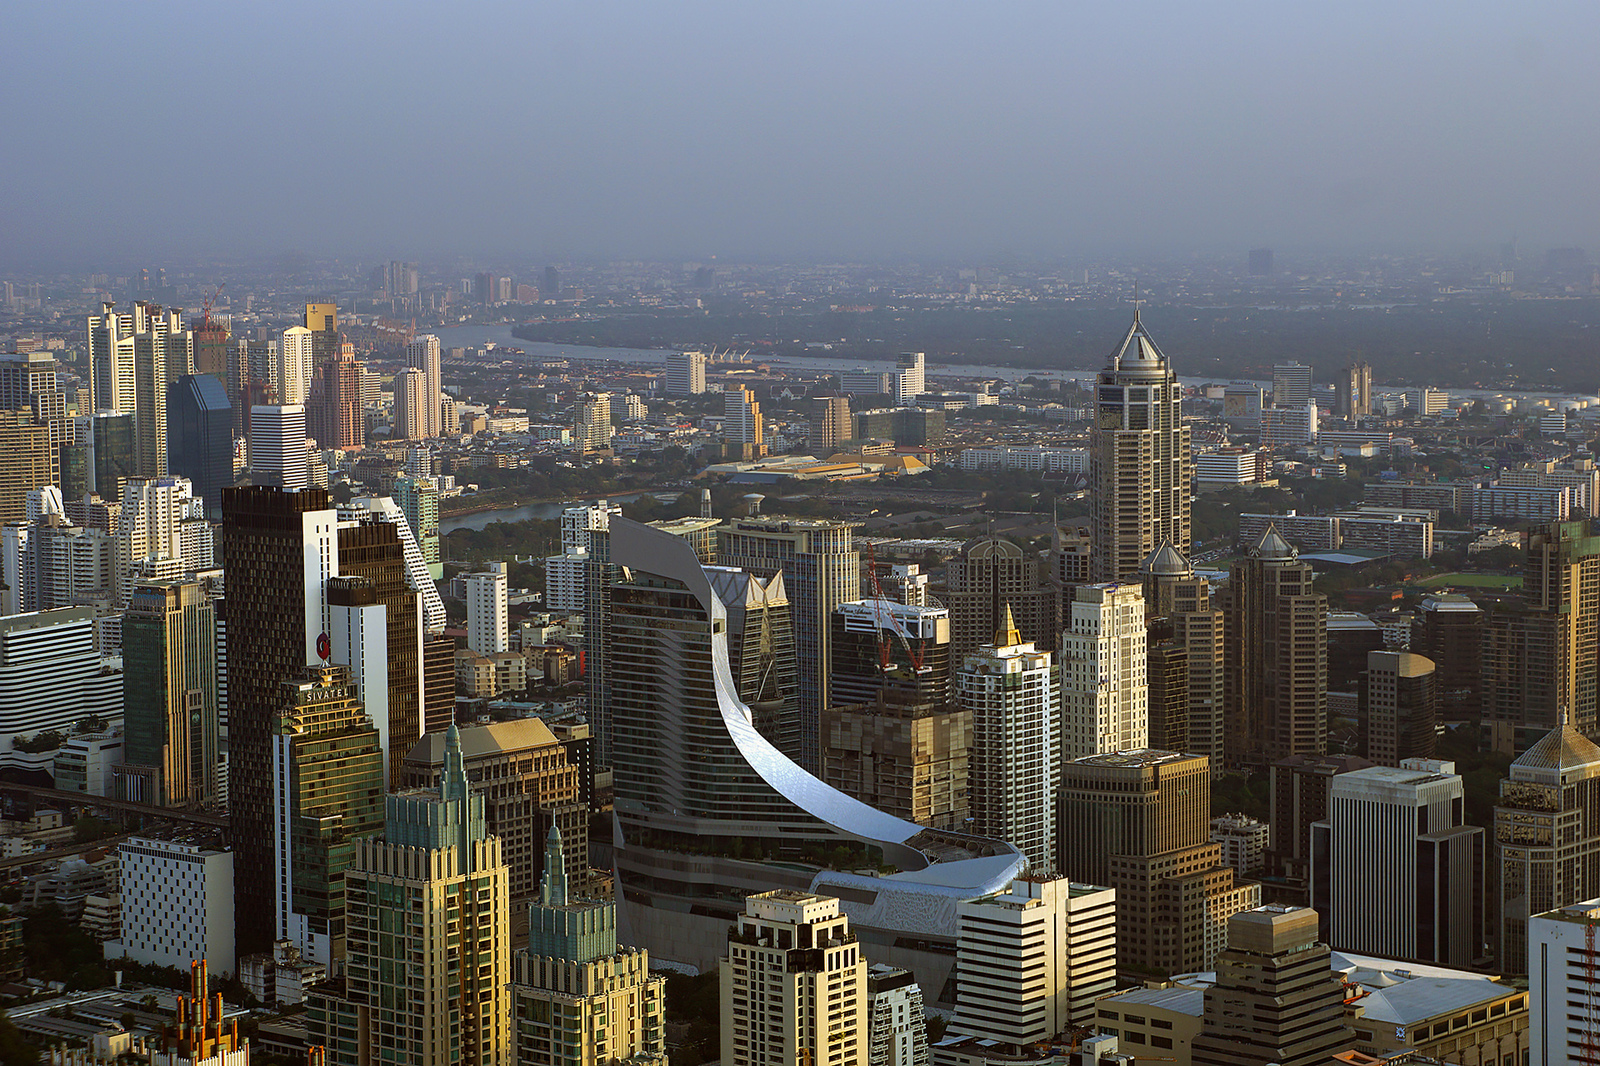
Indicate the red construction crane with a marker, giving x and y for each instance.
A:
(208, 303)
(885, 619)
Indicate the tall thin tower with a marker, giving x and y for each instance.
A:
(1139, 460)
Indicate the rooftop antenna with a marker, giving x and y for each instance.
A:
(1136, 301)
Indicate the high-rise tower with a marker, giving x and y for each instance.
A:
(422, 353)
(170, 696)
(581, 998)
(279, 549)
(1104, 684)
(1014, 695)
(1277, 656)
(428, 937)
(821, 570)
(794, 984)
(1139, 460)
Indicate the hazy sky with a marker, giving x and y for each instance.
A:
(803, 129)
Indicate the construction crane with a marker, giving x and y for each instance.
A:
(206, 304)
(883, 617)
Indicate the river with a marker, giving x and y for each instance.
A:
(477, 336)
(527, 511)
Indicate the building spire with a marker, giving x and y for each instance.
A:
(454, 784)
(1007, 636)
(553, 885)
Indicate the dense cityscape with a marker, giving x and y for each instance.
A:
(829, 534)
(380, 695)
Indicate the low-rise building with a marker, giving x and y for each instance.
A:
(177, 904)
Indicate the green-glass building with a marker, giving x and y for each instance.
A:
(169, 692)
(328, 784)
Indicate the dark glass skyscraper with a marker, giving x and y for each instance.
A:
(200, 436)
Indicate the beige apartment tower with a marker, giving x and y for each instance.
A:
(794, 985)
(1140, 464)
(1013, 692)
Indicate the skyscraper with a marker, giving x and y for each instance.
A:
(372, 551)
(410, 421)
(169, 697)
(881, 646)
(897, 1031)
(279, 550)
(107, 438)
(1140, 822)
(163, 351)
(1013, 692)
(686, 373)
(1276, 656)
(418, 499)
(27, 461)
(1277, 998)
(328, 788)
(109, 374)
(592, 423)
(163, 532)
(1398, 707)
(794, 985)
(322, 319)
(434, 883)
(1104, 680)
(1564, 1005)
(488, 625)
(277, 449)
(580, 998)
(422, 353)
(821, 570)
(1406, 821)
(1291, 385)
(1547, 837)
(830, 424)
(1562, 579)
(1448, 629)
(1139, 459)
(200, 436)
(1179, 600)
(1353, 391)
(1033, 959)
(296, 365)
(336, 412)
(743, 430)
(989, 577)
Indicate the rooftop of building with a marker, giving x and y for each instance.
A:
(1563, 748)
(1178, 998)
(1398, 775)
(1138, 757)
(21, 623)
(479, 741)
(1587, 913)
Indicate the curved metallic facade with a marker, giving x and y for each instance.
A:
(690, 763)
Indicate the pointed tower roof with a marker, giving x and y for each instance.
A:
(553, 885)
(1166, 561)
(453, 785)
(1562, 749)
(1273, 546)
(1008, 636)
(1138, 352)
